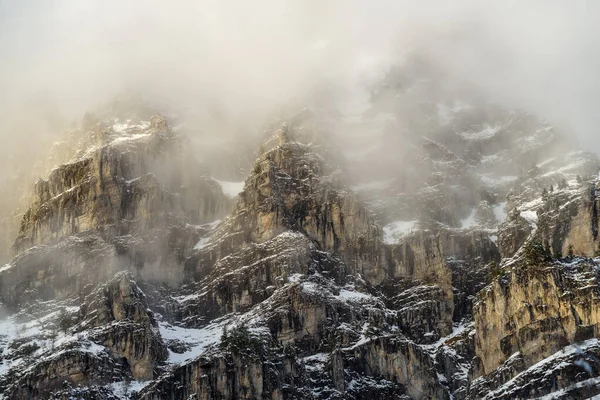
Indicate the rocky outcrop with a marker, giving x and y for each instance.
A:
(292, 188)
(70, 367)
(122, 322)
(535, 311)
(245, 278)
(576, 225)
(513, 233)
(76, 264)
(424, 311)
(453, 360)
(131, 201)
(302, 320)
(134, 265)
(116, 187)
(571, 373)
(66, 269)
(112, 336)
(236, 374)
(437, 260)
(402, 362)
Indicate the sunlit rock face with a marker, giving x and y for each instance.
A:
(419, 243)
(292, 188)
(533, 313)
(132, 200)
(133, 180)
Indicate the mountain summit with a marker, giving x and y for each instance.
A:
(421, 243)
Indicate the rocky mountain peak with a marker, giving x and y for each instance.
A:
(447, 254)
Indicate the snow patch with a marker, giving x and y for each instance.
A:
(547, 365)
(124, 389)
(498, 180)
(500, 212)
(487, 132)
(130, 181)
(531, 216)
(572, 167)
(198, 340)
(545, 162)
(39, 332)
(130, 138)
(123, 127)
(202, 243)
(397, 230)
(377, 185)
(457, 329)
(353, 296)
(470, 220)
(231, 189)
(184, 298)
(5, 267)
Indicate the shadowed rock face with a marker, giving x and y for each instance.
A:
(70, 368)
(570, 220)
(114, 335)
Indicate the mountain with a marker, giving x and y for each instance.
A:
(416, 242)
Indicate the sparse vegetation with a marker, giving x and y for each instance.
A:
(239, 340)
(494, 270)
(536, 253)
(571, 251)
(64, 321)
(29, 348)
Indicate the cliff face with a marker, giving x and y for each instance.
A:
(300, 259)
(115, 186)
(580, 231)
(111, 334)
(107, 211)
(301, 256)
(555, 303)
(119, 315)
(292, 188)
(530, 314)
(444, 258)
(137, 276)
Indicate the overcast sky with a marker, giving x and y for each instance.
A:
(251, 55)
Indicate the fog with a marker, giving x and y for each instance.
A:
(245, 60)
(250, 57)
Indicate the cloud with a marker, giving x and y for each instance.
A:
(252, 56)
(247, 58)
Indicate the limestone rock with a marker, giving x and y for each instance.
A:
(292, 188)
(535, 311)
(124, 325)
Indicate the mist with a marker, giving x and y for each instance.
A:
(250, 58)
